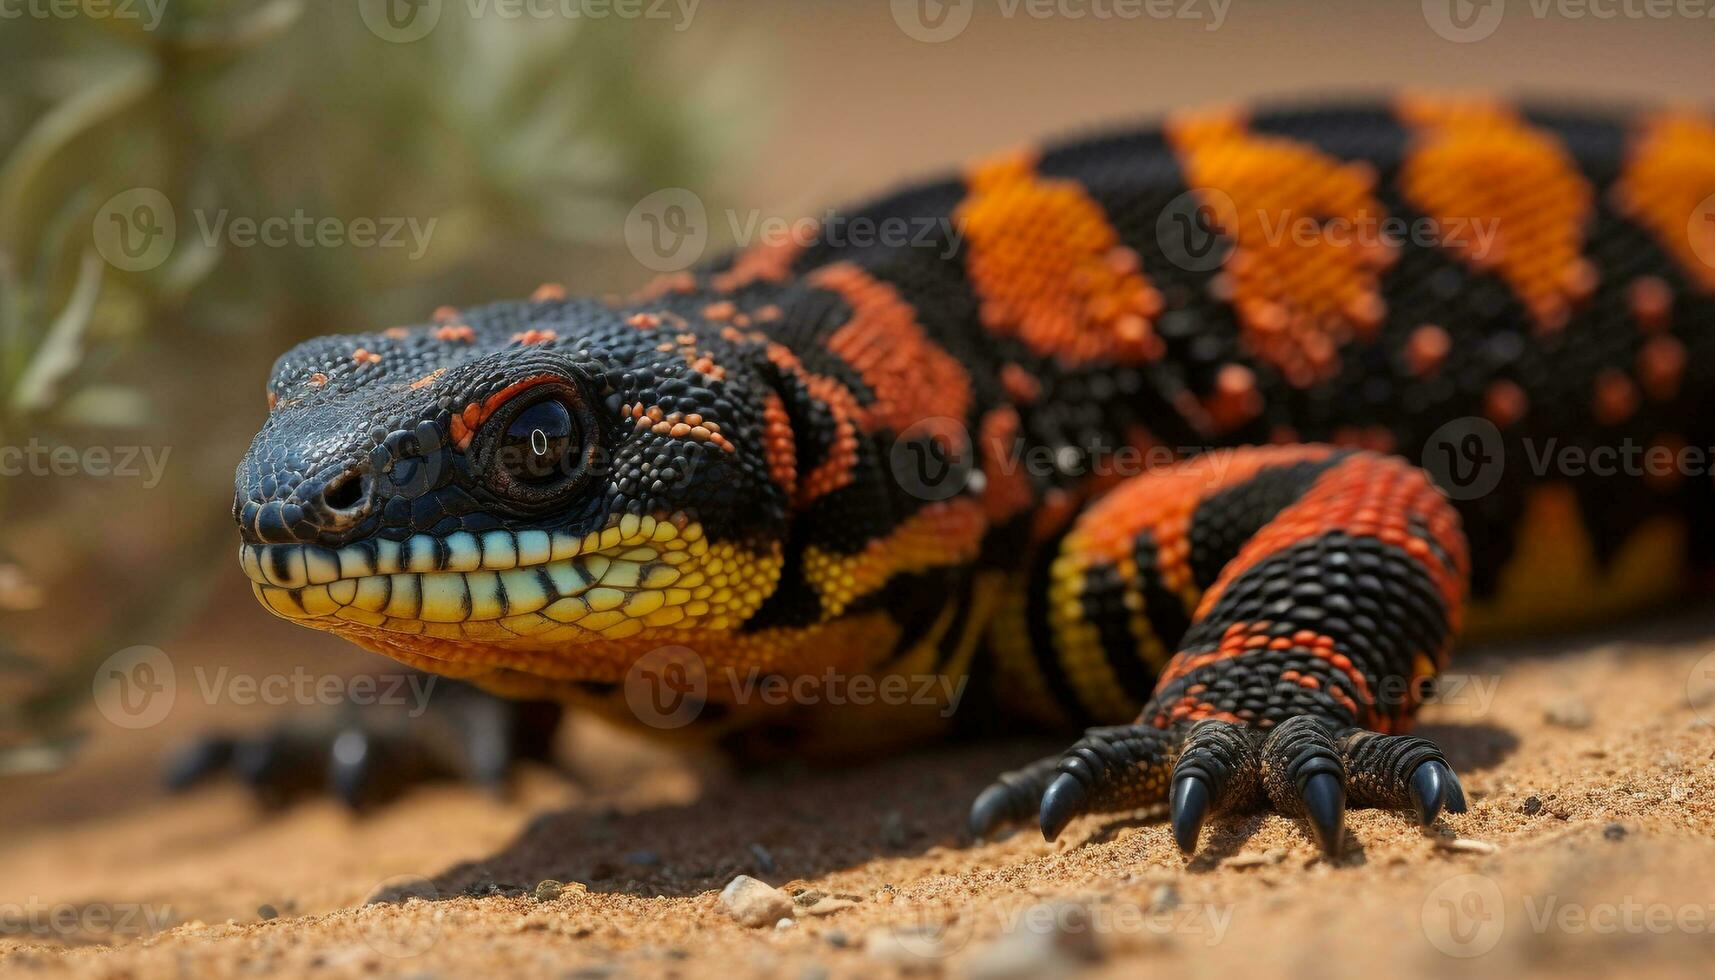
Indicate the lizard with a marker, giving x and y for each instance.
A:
(1207, 438)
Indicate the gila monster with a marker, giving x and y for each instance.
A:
(1199, 438)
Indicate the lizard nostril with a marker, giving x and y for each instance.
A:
(345, 493)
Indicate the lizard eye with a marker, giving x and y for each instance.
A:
(536, 448)
(535, 445)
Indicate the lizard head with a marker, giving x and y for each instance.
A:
(536, 489)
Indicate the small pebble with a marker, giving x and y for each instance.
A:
(1532, 806)
(837, 938)
(267, 912)
(548, 889)
(755, 903)
(1614, 831)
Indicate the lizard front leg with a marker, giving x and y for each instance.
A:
(1322, 589)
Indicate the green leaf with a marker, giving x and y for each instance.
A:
(62, 347)
(60, 126)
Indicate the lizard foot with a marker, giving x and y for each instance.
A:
(1301, 768)
(369, 754)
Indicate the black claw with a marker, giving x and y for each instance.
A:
(1455, 794)
(1189, 802)
(1431, 790)
(988, 809)
(1060, 803)
(1325, 805)
(197, 761)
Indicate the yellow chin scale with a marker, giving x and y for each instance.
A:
(638, 574)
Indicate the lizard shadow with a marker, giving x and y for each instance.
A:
(781, 821)
(790, 823)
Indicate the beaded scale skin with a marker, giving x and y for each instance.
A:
(1184, 505)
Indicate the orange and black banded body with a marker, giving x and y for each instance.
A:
(1181, 379)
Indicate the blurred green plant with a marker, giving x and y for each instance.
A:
(524, 142)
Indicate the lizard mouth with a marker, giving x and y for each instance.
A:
(634, 574)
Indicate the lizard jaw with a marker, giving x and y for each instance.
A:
(527, 589)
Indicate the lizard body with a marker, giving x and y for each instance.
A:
(1127, 440)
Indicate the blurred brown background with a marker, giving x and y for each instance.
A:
(526, 140)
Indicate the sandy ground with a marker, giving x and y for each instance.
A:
(1590, 847)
